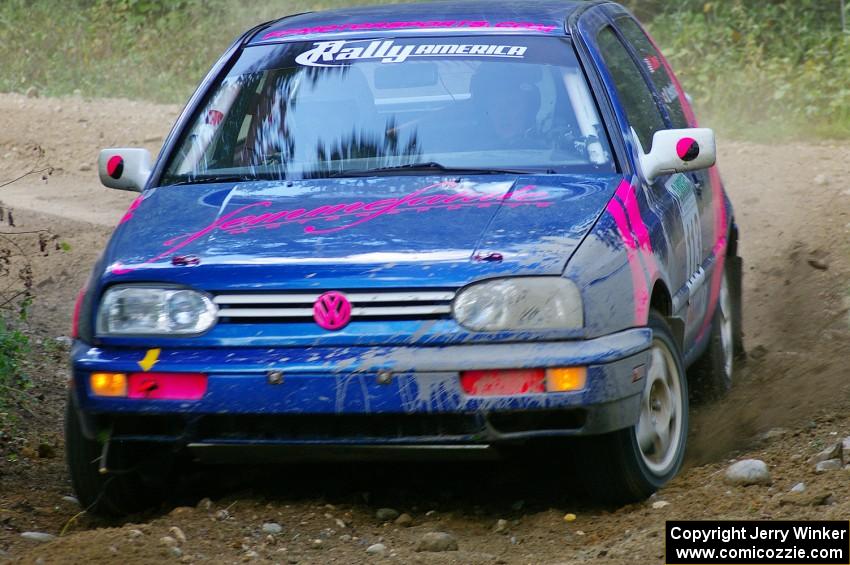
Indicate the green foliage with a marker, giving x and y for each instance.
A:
(152, 49)
(775, 68)
(141, 11)
(14, 384)
(14, 345)
(762, 69)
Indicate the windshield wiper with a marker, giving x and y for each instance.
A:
(434, 167)
(208, 179)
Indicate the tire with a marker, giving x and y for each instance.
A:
(629, 465)
(735, 269)
(713, 373)
(136, 484)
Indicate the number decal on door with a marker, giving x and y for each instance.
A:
(682, 189)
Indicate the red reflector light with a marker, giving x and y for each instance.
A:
(503, 382)
(167, 386)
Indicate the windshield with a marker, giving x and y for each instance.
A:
(339, 108)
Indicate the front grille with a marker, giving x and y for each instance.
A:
(298, 307)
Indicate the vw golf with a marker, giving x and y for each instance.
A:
(455, 228)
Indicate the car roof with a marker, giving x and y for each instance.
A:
(543, 17)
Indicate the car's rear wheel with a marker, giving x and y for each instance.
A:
(136, 483)
(712, 374)
(631, 464)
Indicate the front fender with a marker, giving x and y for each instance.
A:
(620, 266)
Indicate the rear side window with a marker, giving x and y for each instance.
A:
(637, 99)
(651, 58)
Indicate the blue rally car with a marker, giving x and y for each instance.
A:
(457, 228)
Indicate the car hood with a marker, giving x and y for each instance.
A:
(388, 229)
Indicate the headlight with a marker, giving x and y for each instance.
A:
(137, 310)
(522, 303)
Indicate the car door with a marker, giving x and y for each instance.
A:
(675, 199)
(678, 113)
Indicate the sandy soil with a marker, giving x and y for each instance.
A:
(789, 402)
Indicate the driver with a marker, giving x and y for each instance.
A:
(510, 112)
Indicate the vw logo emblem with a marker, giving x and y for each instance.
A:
(332, 311)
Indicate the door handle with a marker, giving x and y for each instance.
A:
(697, 185)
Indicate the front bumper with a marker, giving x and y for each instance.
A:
(341, 396)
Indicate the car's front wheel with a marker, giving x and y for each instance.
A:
(136, 483)
(631, 464)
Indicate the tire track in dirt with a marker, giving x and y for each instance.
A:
(793, 207)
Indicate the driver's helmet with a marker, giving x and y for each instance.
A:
(510, 107)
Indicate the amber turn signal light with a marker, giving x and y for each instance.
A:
(566, 379)
(109, 384)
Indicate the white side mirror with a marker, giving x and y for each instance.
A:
(678, 151)
(124, 169)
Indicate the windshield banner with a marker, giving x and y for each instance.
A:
(333, 53)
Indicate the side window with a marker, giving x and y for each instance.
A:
(637, 99)
(657, 71)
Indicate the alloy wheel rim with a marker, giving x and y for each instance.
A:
(659, 429)
(726, 338)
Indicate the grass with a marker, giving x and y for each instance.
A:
(14, 346)
(766, 70)
(761, 70)
(113, 48)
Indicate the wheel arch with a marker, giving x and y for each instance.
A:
(732, 245)
(661, 301)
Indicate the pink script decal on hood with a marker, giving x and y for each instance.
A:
(251, 217)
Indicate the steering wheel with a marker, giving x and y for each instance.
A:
(564, 139)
